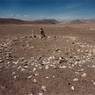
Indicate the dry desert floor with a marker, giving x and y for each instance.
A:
(61, 64)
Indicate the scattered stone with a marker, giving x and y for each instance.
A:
(62, 60)
(34, 80)
(36, 74)
(81, 70)
(1, 61)
(46, 77)
(22, 69)
(19, 67)
(15, 77)
(75, 79)
(30, 94)
(77, 73)
(46, 67)
(25, 67)
(29, 77)
(94, 83)
(13, 73)
(72, 88)
(40, 93)
(15, 62)
(93, 66)
(63, 67)
(43, 88)
(34, 69)
(53, 76)
(84, 75)
(79, 57)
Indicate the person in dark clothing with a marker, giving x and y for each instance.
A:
(42, 33)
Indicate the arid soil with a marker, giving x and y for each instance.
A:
(61, 64)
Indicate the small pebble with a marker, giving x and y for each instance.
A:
(84, 75)
(34, 69)
(46, 67)
(15, 77)
(34, 80)
(46, 77)
(53, 76)
(75, 79)
(63, 67)
(72, 88)
(94, 83)
(40, 93)
(30, 94)
(36, 74)
(13, 73)
(43, 88)
(29, 77)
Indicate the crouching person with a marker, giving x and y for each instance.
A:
(42, 33)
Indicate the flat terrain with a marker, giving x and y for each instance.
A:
(61, 64)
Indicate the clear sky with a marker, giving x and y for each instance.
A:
(42, 9)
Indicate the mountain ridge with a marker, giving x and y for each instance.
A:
(19, 21)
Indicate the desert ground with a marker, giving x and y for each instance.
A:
(63, 63)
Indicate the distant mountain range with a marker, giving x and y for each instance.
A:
(45, 21)
(81, 21)
(10, 20)
(18, 21)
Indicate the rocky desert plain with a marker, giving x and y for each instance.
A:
(63, 63)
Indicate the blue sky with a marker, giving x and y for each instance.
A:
(42, 9)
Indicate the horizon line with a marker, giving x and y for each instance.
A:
(47, 19)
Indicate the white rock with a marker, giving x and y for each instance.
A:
(53, 76)
(75, 79)
(26, 67)
(36, 74)
(46, 67)
(40, 93)
(46, 77)
(94, 83)
(15, 77)
(76, 63)
(30, 94)
(93, 66)
(36, 65)
(80, 70)
(22, 69)
(13, 73)
(29, 77)
(8, 62)
(72, 88)
(34, 69)
(77, 73)
(19, 67)
(35, 80)
(84, 75)
(1, 60)
(15, 62)
(63, 67)
(43, 88)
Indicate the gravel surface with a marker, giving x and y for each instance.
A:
(57, 65)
